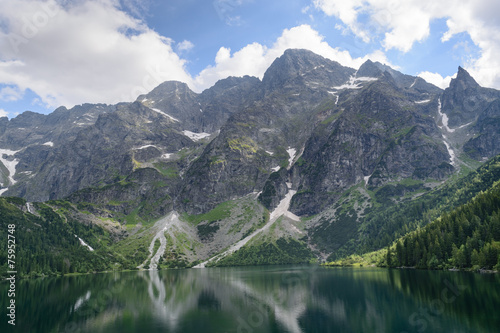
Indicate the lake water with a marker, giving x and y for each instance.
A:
(259, 299)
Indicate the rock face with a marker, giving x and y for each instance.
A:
(464, 100)
(311, 125)
(376, 136)
(485, 144)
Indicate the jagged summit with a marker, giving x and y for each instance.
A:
(463, 80)
(370, 69)
(304, 65)
(168, 88)
(299, 90)
(308, 139)
(465, 99)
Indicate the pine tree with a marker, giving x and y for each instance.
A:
(400, 253)
(389, 256)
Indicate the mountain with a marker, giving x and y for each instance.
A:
(464, 100)
(464, 233)
(302, 164)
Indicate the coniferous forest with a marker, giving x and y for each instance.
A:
(467, 237)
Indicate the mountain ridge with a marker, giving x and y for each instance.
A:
(311, 131)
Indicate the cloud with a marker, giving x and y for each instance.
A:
(10, 94)
(225, 10)
(184, 46)
(255, 58)
(89, 51)
(400, 24)
(3, 113)
(436, 79)
(137, 8)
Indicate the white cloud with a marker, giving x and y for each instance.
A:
(139, 8)
(226, 8)
(436, 79)
(10, 94)
(403, 23)
(89, 51)
(255, 58)
(185, 45)
(3, 113)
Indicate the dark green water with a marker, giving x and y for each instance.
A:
(259, 299)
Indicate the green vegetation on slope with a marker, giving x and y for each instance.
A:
(47, 243)
(283, 251)
(385, 221)
(467, 237)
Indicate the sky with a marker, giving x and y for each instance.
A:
(68, 52)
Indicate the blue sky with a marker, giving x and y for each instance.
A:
(61, 52)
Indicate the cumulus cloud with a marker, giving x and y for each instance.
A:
(3, 113)
(401, 24)
(255, 58)
(436, 79)
(89, 51)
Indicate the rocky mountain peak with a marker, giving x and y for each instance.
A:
(463, 80)
(369, 69)
(229, 84)
(465, 99)
(297, 66)
(168, 89)
(291, 64)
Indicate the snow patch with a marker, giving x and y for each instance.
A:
(423, 101)
(334, 93)
(444, 119)
(291, 152)
(165, 114)
(10, 165)
(275, 169)
(450, 151)
(48, 143)
(146, 146)
(195, 136)
(465, 125)
(355, 82)
(166, 156)
(413, 83)
(82, 242)
(367, 179)
(270, 152)
(29, 208)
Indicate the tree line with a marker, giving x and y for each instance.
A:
(467, 237)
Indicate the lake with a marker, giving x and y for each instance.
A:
(259, 299)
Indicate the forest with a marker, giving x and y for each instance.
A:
(48, 244)
(467, 237)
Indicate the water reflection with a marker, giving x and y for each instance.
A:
(261, 299)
